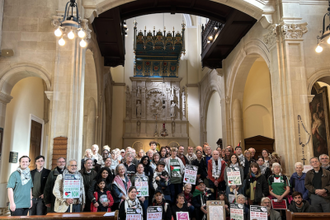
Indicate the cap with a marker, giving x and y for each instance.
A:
(122, 151)
(199, 181)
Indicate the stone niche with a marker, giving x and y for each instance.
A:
(151, 105)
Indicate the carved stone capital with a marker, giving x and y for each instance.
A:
(293, 31)
(49, 95)
(270, 38)
(4, 98)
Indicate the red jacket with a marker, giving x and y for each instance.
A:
(96, 195)
(209, 171)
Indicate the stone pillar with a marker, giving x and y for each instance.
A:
(289, 91)
(68, 97)
(237, 122)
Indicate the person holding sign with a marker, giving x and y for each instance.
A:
(103, 198)
(141, 182)
(130, 208)
(215, 172)
(161, 181)
(272, 214)
(120, 185)
(256, 185)
(180, 206)
(69, 190)
(234, 175)
(159, 200)
(200, 196)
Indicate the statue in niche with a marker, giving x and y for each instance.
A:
(128, 102)
(156, 104)
(173, 109)
(138, 91)
(138, 109)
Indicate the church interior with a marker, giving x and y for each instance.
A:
(175, 72)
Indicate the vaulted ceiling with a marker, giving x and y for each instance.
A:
(109, 30)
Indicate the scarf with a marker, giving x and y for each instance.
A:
(216, 169)
(121, 186)
(191, 158)
(233, 165)
(133, 204)
(263, 168)
(242, 160)
(25, 175)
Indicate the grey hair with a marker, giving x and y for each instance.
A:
(120, 165)
(298, 164)
(276, 164)
(72, 160)
(241, 196)
(264, 198)
(61, 158)
(128, 154)
(188, 184)
(323, 155)
(97, 146)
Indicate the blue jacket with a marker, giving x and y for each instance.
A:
(298, 184)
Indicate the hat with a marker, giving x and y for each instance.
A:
(199, 181)
(161, 163)
(158, 191)
(122, 151)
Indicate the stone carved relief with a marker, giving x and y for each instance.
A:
(138, 109)
(128, 102)
(154, 102)
(293, 31)
(270, 38)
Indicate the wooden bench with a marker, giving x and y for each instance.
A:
(66, 216)
(305, 216)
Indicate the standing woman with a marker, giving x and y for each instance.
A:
(131, 202)
(266, 171)
(247, 155)
(256, 185)
(154, 161)
(297, 181)
(234, 165)
(140, 155)
(201, 164)
(120, 185)
(163, 153)
(104, 174)
(228, 154)
(141, 177)
(266, 156)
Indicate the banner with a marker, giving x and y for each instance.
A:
(133, 214)
(234, 177)
(258, 212)
(182, 215)
(142, 188)
(279, 205)
(71, 186)
(236, 211)
(190, 174)
(154, 213)
(215, 210)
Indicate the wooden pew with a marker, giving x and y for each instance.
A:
(66, 216)
(305, 216)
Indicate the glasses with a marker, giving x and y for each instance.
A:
(73, 165)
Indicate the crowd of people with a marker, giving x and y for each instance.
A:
(129, 182)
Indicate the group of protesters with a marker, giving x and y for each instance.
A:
(131, 182)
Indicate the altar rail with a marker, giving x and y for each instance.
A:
(305, 216)
(66, 216)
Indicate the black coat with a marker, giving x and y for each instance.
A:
(305, 208)
(262, 188)
(44, 175)
(49, 198)
(202, 168)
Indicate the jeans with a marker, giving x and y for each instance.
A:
(75, 208)
(20, 212)
(38, 207)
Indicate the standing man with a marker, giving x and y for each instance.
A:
(253, 152)
(182, 156)
(190, 154)
(68, 205)
(204, 148)
(272, 214)
(19, 188)
(49, 198)
(153, 146)
(324, 159)
(215, 172)
(39, 178)
(317, 182)
(88, 175)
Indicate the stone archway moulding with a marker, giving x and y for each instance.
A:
(314, 77)
(13, 74)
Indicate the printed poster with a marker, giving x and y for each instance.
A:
(236, 211)
(258, 212)
(154, 213)
(190, 174)
(182, 215)
(234, 177)
(142, 188)
(133, 214)
(71, 186)
(215, 210)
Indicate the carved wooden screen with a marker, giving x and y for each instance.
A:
(59, 149)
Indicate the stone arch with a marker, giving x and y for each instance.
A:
(12, 75)
(315, 77)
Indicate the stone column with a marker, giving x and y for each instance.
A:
(237, 122)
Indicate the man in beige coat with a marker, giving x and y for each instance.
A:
(63, 204)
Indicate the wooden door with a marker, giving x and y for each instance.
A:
(259, 143)
(35, 142)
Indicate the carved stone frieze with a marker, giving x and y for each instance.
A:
(293, 31)
(270, 38)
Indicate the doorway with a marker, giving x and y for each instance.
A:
(35, 142)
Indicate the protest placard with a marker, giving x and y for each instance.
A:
(154, 213)
(236, 211)
(71, 186)
(215, 210)
(133, 214)
(190, 174)
(182, 215)
(234, 177)
(142, 188)
(258, 212)
(279, 205)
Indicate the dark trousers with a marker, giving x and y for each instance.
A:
(175, 190)
(221, 187)
(87, 206)
(319, 203)
(38, 207)
(20, 212)
(75, 208)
